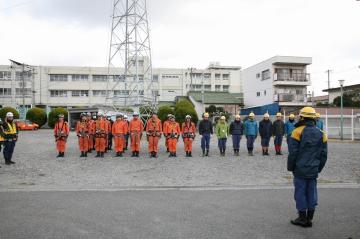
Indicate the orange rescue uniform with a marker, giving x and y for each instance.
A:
(188, 130)
(61, 132)
(101, 131)
(82, 131)
(153, 132)
(172, 132)
(135, 128)
(119, 130)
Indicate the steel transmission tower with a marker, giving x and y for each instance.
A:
(130, 52)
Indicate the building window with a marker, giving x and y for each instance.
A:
(121, 92)
(98, 93)
(79, 93)
(155, 78)
(170, 76)
(207, 76)
(5, 75)
(23, 92)
(5, 91)
(58, 77)
(58, 93)
(207, 87)
(225, 88)
(226, 76)
(118, 78)
(217, 87)
(257, 75)
(100, 78)
(19, 75)
(79, 77)
(265, 74)
(257, 94)
(217, 76)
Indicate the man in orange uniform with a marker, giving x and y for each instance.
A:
(172, 132)
(61, 132)
(136, 128)
(153, 133)
(164, 126)
(119, 131)
(188, 130)
(91, 128)
(82, 132)
(101, 131)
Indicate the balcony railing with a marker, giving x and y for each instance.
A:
(295, 77)
(283, 97)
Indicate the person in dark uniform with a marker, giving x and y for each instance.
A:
(205, 130)
(9, 132)
(306, 159)
(265, 131)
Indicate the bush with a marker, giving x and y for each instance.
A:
(53, 116)
(181, 112)
(4, 110)
(37, 116)
(164, 111)
(211, 109)
(183, 104)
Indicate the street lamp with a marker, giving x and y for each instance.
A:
(341, 82)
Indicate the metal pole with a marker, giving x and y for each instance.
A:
(352, 124)
(342, 116)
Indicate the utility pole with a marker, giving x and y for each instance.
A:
(191, 77)
(328, 81)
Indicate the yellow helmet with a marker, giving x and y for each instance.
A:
(251, 114)
(308, 112)
(317, 115)
(291, 116)
(266, 115)
(206, 114)
(278, 114)
(222, 118)
(237, 117)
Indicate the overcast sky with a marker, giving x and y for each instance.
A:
(192, 33)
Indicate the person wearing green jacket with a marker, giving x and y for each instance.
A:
(222, 132)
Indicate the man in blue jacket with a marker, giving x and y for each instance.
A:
(251, 131)
(307, 157)
(289, 127)
(319, 122)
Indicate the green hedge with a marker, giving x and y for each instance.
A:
(53, 116)
(183, 104)
(181, 112)
(37, 115)
(4, 110)
(164, 111)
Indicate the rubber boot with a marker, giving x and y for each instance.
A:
(174, 155)
(133, 154)
(203, 152)
(82, 154)
(190, 154)
(301, 220)
(102, 154)
(137, 153)
(62, 154)
(120, 154)
(309, 217)
(85, 154)
(207, 153)
(97, 154)
(59, 155)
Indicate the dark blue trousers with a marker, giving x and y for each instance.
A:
(8, 150)
(278, 139)
(288, 139)
(222, 143)
(250, 142)
(205, 141)
(265, 141)
(305, 193)
(236, 141)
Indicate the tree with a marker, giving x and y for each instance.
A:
(37, 115)
(164, 111)
(53, 116)
(4, 110)
(181, 112)
(211, 109)
(348, 100)
(183, 103)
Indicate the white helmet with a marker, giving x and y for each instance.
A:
(125, 116)
(135, 114)
(9, 114)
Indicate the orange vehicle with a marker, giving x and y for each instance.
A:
(27, 125)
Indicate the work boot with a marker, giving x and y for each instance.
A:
(301, 220)
(7, 162)
(85, 154)
(251, 153)
(62, 154)
(82, 154)
(59, 155)
(234, 152)
(224, 152)
(309, 217)
(263, 151)
(203, 152)
(170, 155)
(97, 154)
(190, 154)
(101, 154)
(237, 152)
(137, 153)
(207, 153)
(133, 154)
(120, 154)
(174, 155)
(155, 155)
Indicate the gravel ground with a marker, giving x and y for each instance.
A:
(37, 167)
